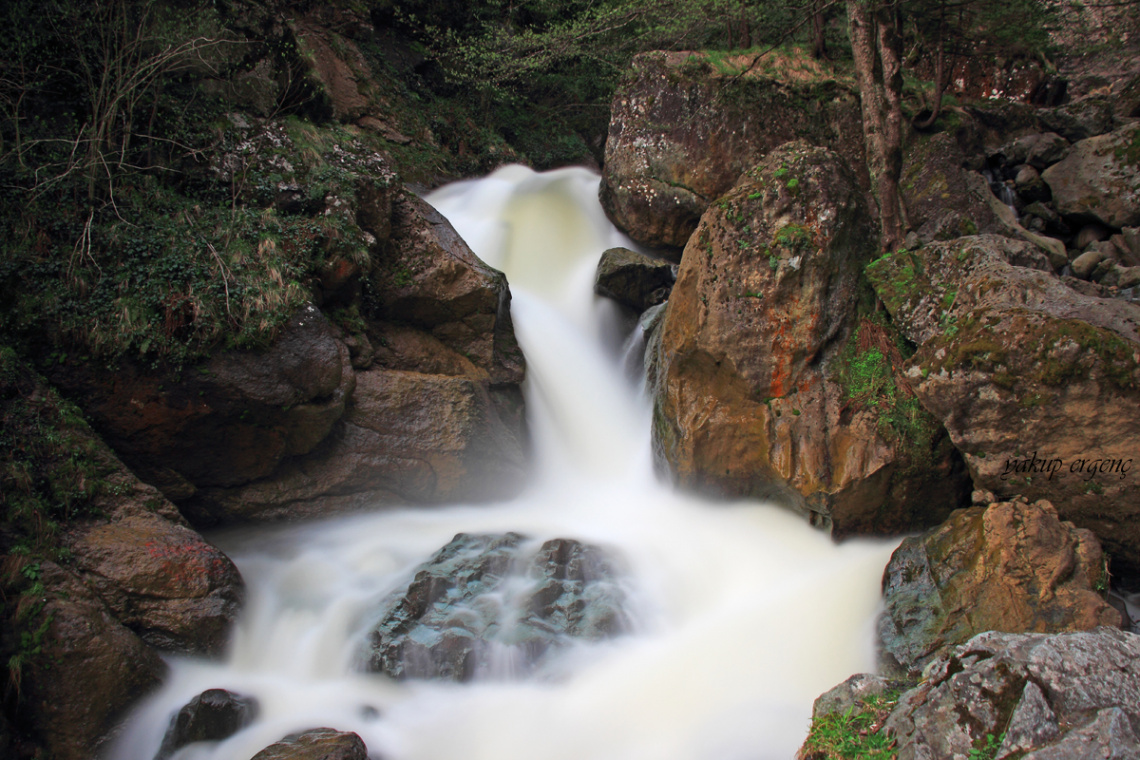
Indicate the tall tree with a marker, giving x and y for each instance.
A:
(876, 50)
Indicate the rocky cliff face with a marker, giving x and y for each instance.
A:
(755, 391)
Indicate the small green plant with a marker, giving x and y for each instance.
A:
(988, 747)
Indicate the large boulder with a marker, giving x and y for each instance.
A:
(1008, 566)
(76, 638)
(431, 280)
(943, 198)
(227, 422)
(1033, 695)
(683, 128)
(160, 579)
(767, 383)
(436, 409)
(485, 605)
(409, 437)
(1037, 383)
(1100, 179)
(79, 669)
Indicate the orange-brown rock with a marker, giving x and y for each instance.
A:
(1010, 566)
(755, 392)
(161, 580)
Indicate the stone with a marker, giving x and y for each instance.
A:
(1029, 185)
(88, 669)
(1100, 179)
(1047, 150)
(943, 199)
(682, 132)
(1010, 226)
(1084, 264)
(1015, 362)
(635, 280)
(758, 336)
(410, 437)
(850, 694)
(1089, 234)
(179, 593)
(212, 716)
(1009, 566)
(1080, 119)
(229, 421)
(488, 605)
(316, 744)
(430, 279)
(1072, 695)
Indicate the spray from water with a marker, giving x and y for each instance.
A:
(740, 613)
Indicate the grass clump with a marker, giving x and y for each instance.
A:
(855, 734)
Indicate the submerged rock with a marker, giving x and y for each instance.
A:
(767, 382)
(212, 716)
(317, 744)
(1037, 384)
(1011, 566)
(483, 607)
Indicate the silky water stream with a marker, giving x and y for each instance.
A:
(740, 614)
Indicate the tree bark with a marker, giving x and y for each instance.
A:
(876, 50)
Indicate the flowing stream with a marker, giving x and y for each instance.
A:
(741, 613)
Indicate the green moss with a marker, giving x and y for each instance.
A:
(866, 370)
(1129, 153)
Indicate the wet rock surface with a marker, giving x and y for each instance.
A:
(316, 744)
(1008, 566)
(484, 605)
(1036, 382)
(633, 279)
(755, 392)
(212, 716)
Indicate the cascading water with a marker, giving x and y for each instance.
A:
(740, 613)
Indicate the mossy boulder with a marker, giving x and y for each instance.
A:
(316, 744)
(1036, 382)
(1100, 179)
(684, 127)
(944, 199)
(767, 382)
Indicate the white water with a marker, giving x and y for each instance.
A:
(743, 614)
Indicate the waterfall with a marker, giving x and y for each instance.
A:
(741, 613)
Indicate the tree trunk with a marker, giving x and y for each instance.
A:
(875, 48)
(819, 40)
